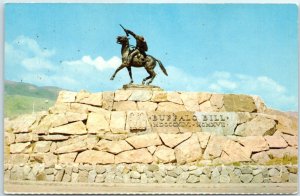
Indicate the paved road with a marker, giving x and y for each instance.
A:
(115, 188)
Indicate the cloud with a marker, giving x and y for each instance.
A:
(268, 82)
(99, 63)
(274, 94)
(37, 63)
(215, 87)
(221, 74)
(227, 84)
(26, 60)
(26, 52)
(32, 47)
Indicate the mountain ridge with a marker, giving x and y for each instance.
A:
(28, 89)
(23, 98)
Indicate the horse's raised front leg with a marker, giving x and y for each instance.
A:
(117, 70)
(130, 74)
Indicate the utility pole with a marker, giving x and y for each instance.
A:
(33, 108)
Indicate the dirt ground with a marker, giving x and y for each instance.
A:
(18, 187)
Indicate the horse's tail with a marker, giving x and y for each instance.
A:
(161, 66)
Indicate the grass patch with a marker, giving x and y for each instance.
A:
(15, 105)
(236, 164)
(285, 160)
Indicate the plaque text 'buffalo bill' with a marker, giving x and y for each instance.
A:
(222, 123)
(188, 120)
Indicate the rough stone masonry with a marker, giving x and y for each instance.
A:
(150, 128)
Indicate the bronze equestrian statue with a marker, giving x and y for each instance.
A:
(137, 57)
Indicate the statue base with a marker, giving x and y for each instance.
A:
(141, 87)
(159, 128)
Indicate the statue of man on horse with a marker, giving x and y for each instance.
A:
(141, 46)
(137, 57)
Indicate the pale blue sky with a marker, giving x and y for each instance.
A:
(229, 48)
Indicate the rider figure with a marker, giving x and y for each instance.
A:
(141, 46)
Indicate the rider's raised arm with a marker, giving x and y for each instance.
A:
(137, 37)
(131, 33)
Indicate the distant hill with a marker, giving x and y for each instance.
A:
(22, 98)
(26, 89)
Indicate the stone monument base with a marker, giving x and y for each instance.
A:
(141, 87)
(153, 136)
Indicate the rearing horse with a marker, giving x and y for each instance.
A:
(148, 63)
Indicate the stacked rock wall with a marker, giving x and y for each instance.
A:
(150, 127)
(151, 173)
